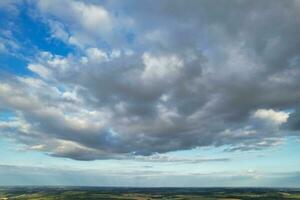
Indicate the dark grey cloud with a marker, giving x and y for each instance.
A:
(194, 74)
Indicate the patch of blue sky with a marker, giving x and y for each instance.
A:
(6, 115)
(32, 36)
(14, 65)
(13, 153)
(37, 34)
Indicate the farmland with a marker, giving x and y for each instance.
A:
(107, 193)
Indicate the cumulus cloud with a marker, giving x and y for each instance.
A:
(82, 24)
(179, 80)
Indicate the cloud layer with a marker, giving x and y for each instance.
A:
(147, 78)
(27, 175)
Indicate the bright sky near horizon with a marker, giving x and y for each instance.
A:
(150, 93)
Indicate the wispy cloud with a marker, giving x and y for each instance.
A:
(171, 159)
(26, 175)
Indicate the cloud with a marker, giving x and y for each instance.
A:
(82, 24)
(40, 70)
(96, 55)
(154, 78)
(271, 115)
(10, 6)
(161, 68)
(169, 159)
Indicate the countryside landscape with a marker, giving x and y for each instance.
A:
(106, 193)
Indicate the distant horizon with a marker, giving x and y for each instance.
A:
(149, 187)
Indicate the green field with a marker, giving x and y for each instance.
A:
(72, 193)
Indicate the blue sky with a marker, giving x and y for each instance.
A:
(108, 93)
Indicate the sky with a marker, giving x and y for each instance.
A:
(166, 93)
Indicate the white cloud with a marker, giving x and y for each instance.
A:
(96, 55)
(277, 117)
(93, 18)
(83, 21)
(40, 70)
(37, 147)
(161, 68)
